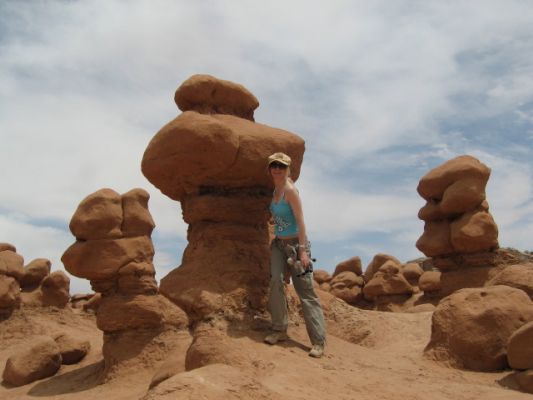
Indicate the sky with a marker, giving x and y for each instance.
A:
(381, 92)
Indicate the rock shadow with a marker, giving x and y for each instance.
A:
(78, 380)
(509, 382)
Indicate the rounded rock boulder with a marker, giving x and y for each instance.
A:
(471, 327)
(209, 95)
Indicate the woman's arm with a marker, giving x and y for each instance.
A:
(293, 198)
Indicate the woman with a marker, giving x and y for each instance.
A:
(286, 208)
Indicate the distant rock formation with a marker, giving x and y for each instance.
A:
(212, 158)
(115, 252)
(30, 285)
(388, 284)
(456, 214)
(348, 286)
(460, 234)
(11, 273)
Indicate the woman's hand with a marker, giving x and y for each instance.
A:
(304, 258)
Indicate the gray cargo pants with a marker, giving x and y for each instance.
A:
(312, 310)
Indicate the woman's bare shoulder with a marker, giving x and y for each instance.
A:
(291, 191)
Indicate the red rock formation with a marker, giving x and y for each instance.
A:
(352, 264)
(115, 252)
(412, 272)
(35, 272)
(321, 276)
(520, 347)
(388, 280)
(347, 286)
(519, 276)
(37, 359)
(206, 94)
(471, 328)
(429, 282)
(213, 160)
(456, 214)
(378, 260)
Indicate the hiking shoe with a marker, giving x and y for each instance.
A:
(317, 351)
(276, 337)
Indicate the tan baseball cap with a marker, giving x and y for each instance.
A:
(281, 158)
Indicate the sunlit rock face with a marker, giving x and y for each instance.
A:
(456, 214)
(213, 159)
(114, 250)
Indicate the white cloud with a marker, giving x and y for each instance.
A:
(85, 85)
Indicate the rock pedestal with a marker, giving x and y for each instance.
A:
(213, 159)
(459, 231)
(456, 214)
(115, 252)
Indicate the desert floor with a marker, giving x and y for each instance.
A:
(392, 366)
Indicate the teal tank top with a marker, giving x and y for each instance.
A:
(283, 218)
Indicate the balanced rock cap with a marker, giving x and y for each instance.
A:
(281, 158)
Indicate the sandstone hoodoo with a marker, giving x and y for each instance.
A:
(11, 272)
(387, 281)
(456, 214)
(347, 286)
(114, 251)
(212, 158)
(460, 234)
(30, 285)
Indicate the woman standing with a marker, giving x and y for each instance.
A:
(286, 208)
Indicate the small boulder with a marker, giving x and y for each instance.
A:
(352, 264)
(11, 264)
(7, 246)
(72, 349)
(520, 347)
(387, 281)
(35, 272)
(55, 289)
(412, 272)
(9, 294)
(208, 95)
(378, 260)
(471, 327)
(430, 281)
(36, 359)
(321, 276)
(347, 286)
(519, 276)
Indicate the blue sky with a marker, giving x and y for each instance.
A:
(381, 91)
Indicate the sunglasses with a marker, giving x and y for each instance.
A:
(279, 165)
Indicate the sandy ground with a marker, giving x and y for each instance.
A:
(393, 367)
